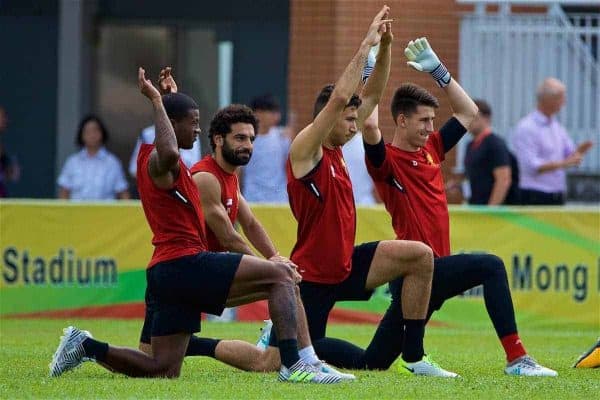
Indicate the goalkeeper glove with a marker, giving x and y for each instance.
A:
(422, 58)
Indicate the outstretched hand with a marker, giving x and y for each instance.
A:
(421, 56)
(166, 82)
(379, 27)
(146, 87)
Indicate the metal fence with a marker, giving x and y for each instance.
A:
(504, 56)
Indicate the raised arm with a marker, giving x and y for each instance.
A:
(372, 140)
(374, 146)
(166, 81)
(376, 83)
(371, 133)
(216, 215)
(422, 58)
(375, 152)
(463, 107)
(163, 165)
(305, 151)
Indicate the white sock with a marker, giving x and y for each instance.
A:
(308, 355)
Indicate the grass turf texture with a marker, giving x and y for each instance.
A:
(468, 346)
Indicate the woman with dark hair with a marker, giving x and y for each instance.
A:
(93, 173)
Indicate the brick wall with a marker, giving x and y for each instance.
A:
(324, 35)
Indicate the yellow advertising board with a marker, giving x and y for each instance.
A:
(59, 255)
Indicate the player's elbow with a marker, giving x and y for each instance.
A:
(228, 242)
(340, 97)
(472, 110)
(370, 125)
(468, 114)
(231, 241)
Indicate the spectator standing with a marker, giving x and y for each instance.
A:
(93, 173)
(362, 184)
(544, 149)
(493, 179)
(264, 179)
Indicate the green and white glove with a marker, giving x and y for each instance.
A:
(422, 58)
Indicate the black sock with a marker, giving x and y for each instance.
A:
(412, 351)
(273, 338)
(202, 347)
(340, 353)
(288, 350)
(95, 349)
(386, 345)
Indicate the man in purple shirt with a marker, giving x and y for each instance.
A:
(544, 149)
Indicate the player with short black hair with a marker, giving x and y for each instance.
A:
(232, 133)
(177, 105)
(183, 278)
(409, 97)
(321, 199)
(324, 96)
(408, 177)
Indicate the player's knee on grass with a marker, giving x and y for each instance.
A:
(167, 368)
(172, 372)
(146, 348)
(269, 361)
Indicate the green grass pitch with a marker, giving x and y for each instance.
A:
(467, 345)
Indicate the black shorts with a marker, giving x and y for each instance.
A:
(319, 298)
(179, 290)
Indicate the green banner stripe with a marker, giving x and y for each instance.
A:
(543, 228)
(130, 287)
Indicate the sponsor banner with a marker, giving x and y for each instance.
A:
(60, 256)
(552, 256)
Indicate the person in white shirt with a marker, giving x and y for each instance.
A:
(363, 187)
(264, 179)
(189, 156)
(93, 173)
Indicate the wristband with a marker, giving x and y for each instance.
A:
(441, 75)
(369, 66)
